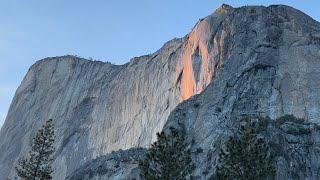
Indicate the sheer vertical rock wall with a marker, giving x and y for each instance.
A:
(258, 61)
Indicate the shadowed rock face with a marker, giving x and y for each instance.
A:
(270, 68)
(258, 60)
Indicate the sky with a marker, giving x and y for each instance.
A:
(106, 30)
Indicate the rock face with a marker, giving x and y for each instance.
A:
(99, 107)
(258, 61)
(269, 64)
(96, 107)
(271, 68)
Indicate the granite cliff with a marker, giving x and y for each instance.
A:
(244, 61)
(98, 107)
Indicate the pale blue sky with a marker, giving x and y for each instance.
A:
(108, 30)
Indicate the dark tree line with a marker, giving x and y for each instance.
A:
(244, 156)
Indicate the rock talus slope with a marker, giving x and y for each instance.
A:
(256, 60)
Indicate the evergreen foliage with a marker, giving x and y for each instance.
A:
(246, 157)
(37, 165)
(168, 158)
(289, 118)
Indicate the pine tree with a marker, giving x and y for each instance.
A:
(37, 165)
(246, 157)
(168, 158)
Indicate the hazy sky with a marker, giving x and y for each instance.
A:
(108, 30)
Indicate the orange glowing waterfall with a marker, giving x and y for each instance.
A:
(187, 81)
(195, 45)
(188, 84)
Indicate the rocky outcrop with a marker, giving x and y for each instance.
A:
(116, 165)
(258, 61)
